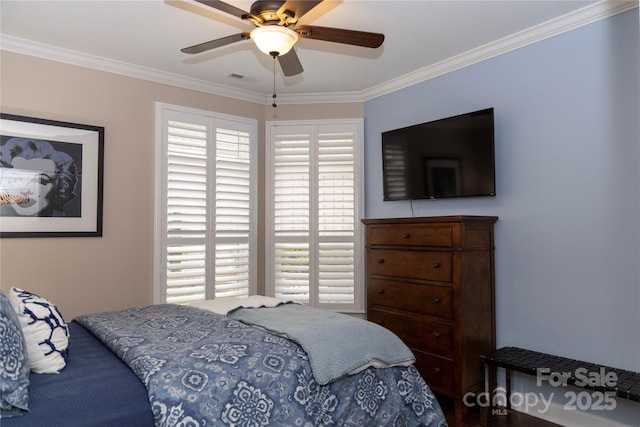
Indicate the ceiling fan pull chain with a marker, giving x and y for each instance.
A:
(274, 81)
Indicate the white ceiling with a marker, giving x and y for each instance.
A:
(423, 38)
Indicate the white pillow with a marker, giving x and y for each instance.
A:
(45, 332)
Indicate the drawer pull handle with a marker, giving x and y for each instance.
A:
(436, 335)
(380, 291)
(436, 265)
(380, 260)
(436, 371)
(380, 322)
(406, 235)
(436, 300)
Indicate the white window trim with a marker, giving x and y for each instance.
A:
(359, 255)
(160, 191)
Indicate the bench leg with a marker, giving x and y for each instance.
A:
(490, 380)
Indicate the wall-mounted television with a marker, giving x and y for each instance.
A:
(450, 157)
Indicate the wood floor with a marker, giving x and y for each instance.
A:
(513, 419)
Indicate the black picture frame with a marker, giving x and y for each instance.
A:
(51, 178)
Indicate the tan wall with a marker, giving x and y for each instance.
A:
(83, 275)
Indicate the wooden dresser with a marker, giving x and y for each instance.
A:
(431, 281)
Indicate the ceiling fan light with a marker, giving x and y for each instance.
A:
(274, 38)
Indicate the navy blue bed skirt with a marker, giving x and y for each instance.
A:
(95, 389)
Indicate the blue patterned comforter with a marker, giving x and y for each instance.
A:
(204, 369)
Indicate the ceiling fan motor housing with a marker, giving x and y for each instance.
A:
(267, 11)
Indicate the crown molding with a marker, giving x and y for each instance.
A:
(41, 50)
(576, 19)
(587, 15)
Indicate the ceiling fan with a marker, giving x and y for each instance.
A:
(276, 31)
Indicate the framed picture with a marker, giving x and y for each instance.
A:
(443, 178)
(50, 178)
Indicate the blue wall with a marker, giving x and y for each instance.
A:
(568, 185)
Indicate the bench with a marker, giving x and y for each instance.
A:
(557, 371)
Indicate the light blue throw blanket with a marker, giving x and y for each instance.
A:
(337, 344)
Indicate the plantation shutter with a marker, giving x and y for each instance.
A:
(186, 239)
(233, 216)
(291, 215)
(336, 217)
(314, 198)
(205, 207)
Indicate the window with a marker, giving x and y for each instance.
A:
(314, 244)
(205, 205)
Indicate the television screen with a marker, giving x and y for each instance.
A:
(451, 157)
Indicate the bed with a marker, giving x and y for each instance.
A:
(86, 391)
(179, 365)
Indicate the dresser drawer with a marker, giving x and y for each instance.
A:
(425, 299)
(424, 265)
(416, 331)
(410, 234)
(437, 371)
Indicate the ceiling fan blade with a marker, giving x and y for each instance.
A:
(203, 47)
(220, 5)
(290, 63)
(338, 35)
(297, 8)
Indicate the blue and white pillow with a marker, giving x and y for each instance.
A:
(45, 331)
(14, 363)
